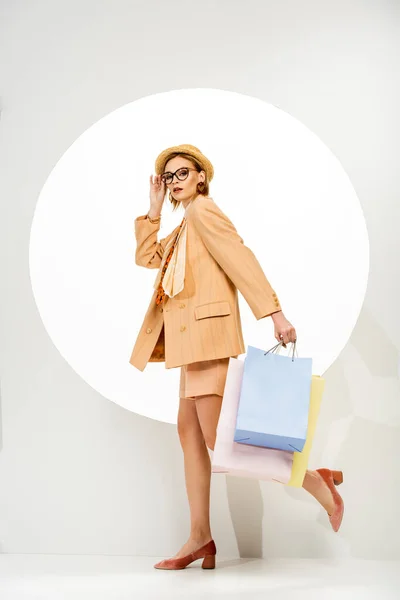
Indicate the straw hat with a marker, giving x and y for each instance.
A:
(162, 158)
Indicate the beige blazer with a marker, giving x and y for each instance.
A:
(202, 322)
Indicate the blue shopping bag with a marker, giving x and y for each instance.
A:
(274, 400)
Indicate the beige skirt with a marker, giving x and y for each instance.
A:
(202, 378)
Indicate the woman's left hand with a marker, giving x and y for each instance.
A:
(284, 330)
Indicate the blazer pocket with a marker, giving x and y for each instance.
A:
(212, 309)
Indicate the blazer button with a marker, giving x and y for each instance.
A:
(182, 305)
(149, 330)
(183, 327)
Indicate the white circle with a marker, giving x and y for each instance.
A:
(286, 193)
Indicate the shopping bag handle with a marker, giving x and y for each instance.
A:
(279, 346)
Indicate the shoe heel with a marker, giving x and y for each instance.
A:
(337, 477)
(208, 562)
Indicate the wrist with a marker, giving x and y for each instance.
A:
(277, 315)
(153, 215)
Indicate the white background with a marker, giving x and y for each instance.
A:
(291, 200)
(78, 473)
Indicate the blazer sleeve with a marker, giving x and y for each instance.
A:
(149, 251)
(222, 240)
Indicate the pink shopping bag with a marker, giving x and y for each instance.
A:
(239, 459)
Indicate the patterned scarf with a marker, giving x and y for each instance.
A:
(171, 274)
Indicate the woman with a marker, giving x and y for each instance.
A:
(193, 322)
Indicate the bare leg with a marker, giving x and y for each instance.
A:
(197, 476)
(197, 426)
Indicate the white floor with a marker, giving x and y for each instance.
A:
(121, 577)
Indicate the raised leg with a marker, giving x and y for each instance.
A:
(208, 411)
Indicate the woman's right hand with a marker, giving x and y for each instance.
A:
(157, 193)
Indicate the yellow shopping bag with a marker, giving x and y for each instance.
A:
(300, 459)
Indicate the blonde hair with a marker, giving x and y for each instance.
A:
(201, 189)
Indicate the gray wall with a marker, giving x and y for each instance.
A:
(79, 474)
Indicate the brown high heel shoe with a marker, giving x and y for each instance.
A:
(207, 552)
(332, 479)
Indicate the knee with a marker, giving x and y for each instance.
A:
(187, 432)
(188, 427)
(185, 429)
